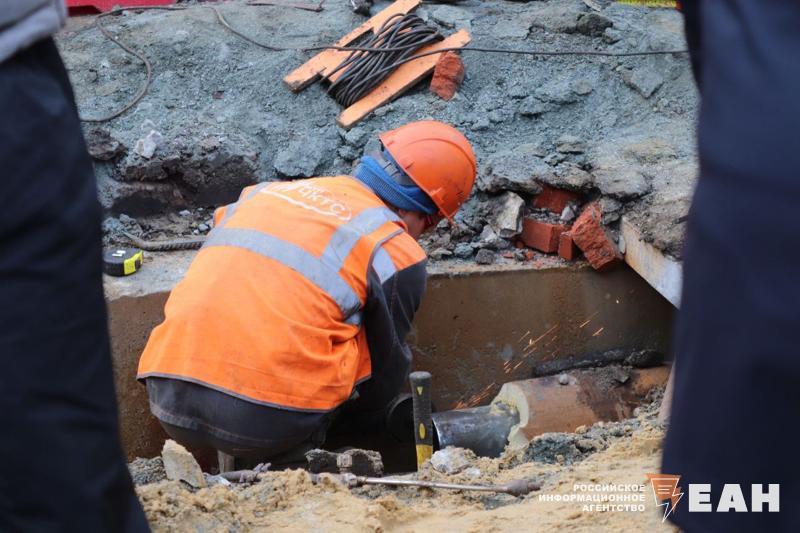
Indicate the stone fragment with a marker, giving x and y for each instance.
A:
(590, 236)
(570, 144)
(447, 75)
(463, 250)
(181, 465)
(440, 253)
(593, 24)
(533, 107)
(144, 471)
(517, 170)
(556, 91)
(570, 176)
(353, 461)
(485, 257)
(563, 379)
(517, 27)
(348, 153)
(452, 17)
(102, 145)
(299, 160)
(490, 239)
(452, 460)
(356, 137)
(506, 217)
(147, 145)
(542, 236)
(611, 210)
(621, 182)
(558, 17)
(582, 87)
(568, 214)
(554, 200)
(646, 80)
(650, 151)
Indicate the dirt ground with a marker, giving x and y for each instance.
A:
(619, 453)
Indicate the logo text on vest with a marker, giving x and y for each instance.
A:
(311, 197)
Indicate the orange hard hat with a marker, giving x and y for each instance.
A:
(438, 158)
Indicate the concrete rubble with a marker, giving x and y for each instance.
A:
(180, 465)
(217, 117)
(452, 460)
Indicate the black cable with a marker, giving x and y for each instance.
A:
(361, 71)
(394, 44)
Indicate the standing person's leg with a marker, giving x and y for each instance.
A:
(61, 464)
(736, 396)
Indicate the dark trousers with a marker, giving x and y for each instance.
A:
(61, 463)
(737, 383)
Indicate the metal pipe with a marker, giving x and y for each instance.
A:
(484, 430)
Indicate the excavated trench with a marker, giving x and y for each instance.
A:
(478, 328)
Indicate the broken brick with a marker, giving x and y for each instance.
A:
(447, 75)
(566, 247)
(542, 236)
(593, 240)
(553, 199)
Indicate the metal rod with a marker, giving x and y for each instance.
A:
(518, 487)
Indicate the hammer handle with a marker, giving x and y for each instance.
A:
(423, 427)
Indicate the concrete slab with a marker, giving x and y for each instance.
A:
(662, 272)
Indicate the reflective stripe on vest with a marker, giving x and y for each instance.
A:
(323, 272)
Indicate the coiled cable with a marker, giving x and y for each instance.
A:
(398, 38)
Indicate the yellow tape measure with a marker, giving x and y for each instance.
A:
(122, 261)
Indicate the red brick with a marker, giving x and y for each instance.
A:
(542, 236)
(566, 247)
(529, 255)
(590, 236)
(554, 199)
(447, 75)
(508, 255)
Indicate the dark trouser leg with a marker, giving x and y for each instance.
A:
(246, 456)
(61, 464)
(736, 396)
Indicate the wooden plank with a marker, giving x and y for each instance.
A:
(399, 81)
(327, 60)
(662, 272)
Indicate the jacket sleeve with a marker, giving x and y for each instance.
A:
(393, 299)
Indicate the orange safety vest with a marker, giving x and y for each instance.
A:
(270, 309)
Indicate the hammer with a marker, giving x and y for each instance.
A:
(423, 426)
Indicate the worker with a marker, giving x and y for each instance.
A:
(61, 461)
(301, 299)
